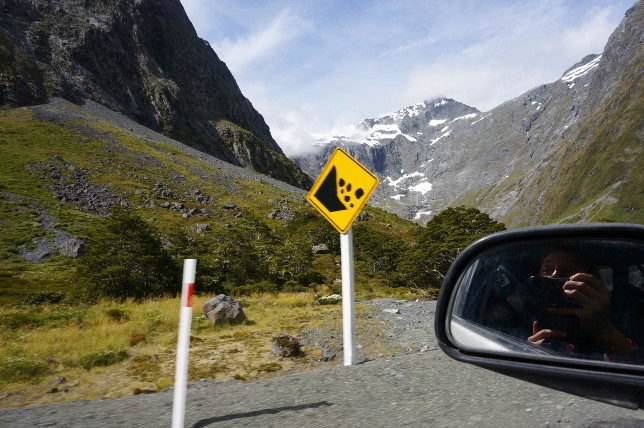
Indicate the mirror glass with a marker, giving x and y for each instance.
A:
(581, 298)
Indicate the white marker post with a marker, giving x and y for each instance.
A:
(183, 343)
(348, 298)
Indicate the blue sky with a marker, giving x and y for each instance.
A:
(312, 67)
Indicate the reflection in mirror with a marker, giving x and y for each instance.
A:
(569, 298)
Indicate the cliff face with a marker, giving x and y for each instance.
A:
(141, 58)
(566, 151)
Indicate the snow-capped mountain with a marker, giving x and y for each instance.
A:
(409, 123)
(564, 151)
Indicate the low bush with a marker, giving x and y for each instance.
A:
(35, 318)
(106, 357)
(125, 259)
(117, 314)
(14, 369)
(43, 297)
(252, 288)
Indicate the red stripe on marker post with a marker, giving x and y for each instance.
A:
(186, 294)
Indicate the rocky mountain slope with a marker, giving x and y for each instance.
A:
(143, 59)
(566, 151)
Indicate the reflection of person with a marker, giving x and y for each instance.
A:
(594, 314)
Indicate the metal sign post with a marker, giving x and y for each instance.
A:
(183, 343)
(348, 298)
(339, 193)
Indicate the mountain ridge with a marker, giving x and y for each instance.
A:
(510, 161)
(143, 59)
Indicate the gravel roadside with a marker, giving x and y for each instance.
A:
(405, 380)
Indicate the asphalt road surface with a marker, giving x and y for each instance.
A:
(417, 389)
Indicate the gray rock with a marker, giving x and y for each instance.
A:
(285, 345)
(202, 227)
(223, 309)
(328, 355)
(363, 216)
(62, 242)
(391, 311)
(229, 206)
(71, 246)
(320, 249)
(281, 214)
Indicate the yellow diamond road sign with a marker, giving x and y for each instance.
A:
(342, 189)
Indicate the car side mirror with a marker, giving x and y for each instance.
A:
(559, 306)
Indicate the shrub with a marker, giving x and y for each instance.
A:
(117, 314)
(22, 369)
(43, 297)
(377, 254)
(125, 259)
(106, 357)
(446, 235)
(34, 318)
(252, 288)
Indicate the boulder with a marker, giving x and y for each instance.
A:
(286, 346)
(363, 216)
(201, 227)
(71, 246)
(223, 309)
(281, 215)
(328, 355)
(320, 249)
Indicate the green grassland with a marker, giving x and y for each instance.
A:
(110, 347)
(131, 166)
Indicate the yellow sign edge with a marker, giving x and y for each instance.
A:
(315, 184)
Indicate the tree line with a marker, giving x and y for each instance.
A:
(126, 258)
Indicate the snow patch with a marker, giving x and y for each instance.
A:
(444, 129)
(395, 183)
(476, 121)
(435, 140)
(436, 122)
(419, 214)
(422, 186)
(467, 116)
(397, 197)
(576, 73)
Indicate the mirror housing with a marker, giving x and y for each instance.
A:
(613, 383)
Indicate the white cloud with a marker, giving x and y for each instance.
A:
(592, 33)
(312, 66)
(241, 52)
(409, 46)
(508, 63)
(288, 125)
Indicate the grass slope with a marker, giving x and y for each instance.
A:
(130, 167)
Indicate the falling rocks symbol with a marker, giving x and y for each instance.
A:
(327, 194)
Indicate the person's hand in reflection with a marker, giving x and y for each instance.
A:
(539, 336)
(594, 313)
